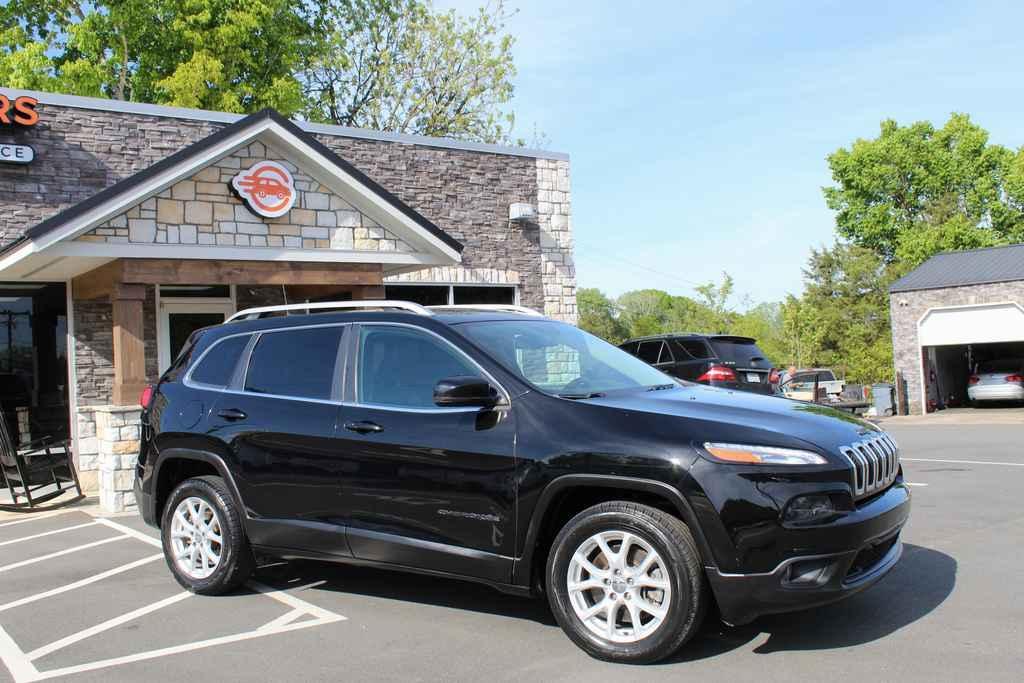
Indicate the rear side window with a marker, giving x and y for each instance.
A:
(692, 347)
(741, 352)
(217, 366)
(649, 351)
(299, 363)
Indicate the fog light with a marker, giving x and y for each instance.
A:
(810, 509)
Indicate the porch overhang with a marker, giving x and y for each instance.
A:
(52, 249)
(64, 261)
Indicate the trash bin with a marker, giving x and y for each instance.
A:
(882, 394)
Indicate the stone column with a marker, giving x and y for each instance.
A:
(117, 442)
(558, 271)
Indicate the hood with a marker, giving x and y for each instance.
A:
(741, 417)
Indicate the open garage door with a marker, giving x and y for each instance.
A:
(956, 340)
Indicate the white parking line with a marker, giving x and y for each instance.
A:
(47, 533)
(177, 649)
(914, 483)
(83, 582)
(66, 551)
(105, 626)
(21, 665)
(36, 517)
(966, 462)
(134, 533)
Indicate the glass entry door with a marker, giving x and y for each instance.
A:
(178, 319)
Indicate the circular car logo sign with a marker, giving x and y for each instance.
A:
(267, 188)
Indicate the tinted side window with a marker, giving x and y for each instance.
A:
(649, 351)
(297, 363)
(219, 363)
(693, 347)
(399, 366)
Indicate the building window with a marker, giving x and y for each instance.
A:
(195, 291)
(484, 295)
(442, 295)
(424, 295)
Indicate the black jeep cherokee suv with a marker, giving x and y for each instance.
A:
(517, 451)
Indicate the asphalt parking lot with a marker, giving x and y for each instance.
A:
(84, 599)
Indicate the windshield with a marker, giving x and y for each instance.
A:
(562, 359)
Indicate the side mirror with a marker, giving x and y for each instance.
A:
(453, 392)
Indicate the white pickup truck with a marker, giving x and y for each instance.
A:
(801, 386)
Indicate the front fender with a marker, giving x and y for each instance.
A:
(522, 571)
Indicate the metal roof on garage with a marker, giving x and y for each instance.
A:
(959, 268)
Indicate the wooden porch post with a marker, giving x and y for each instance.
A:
(129, 349)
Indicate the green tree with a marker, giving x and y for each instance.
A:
(401, 66)
(599, 316)
(230, 55)
(842, 319)
(916, 190)
(764, 323)
(714, 298)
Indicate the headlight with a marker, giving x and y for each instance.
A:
(762, 455)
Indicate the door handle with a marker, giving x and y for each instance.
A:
(232, 414)
(363, 427)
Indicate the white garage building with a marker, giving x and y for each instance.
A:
(953, 311)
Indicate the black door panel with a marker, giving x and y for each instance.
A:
(428, 486)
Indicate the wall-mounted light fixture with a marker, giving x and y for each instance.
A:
(522, 212)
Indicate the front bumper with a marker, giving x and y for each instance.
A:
(810, 580)
(996, 392)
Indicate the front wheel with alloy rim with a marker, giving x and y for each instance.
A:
(203, 537)
(626, 583)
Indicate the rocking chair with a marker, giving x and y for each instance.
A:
(37, 465)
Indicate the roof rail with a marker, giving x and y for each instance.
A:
(255, 313)
(509, 308)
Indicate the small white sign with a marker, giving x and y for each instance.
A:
(16, 154)
(267, 187)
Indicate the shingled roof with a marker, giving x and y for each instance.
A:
(959, 268)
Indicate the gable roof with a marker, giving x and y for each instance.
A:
(959, 268)
(196, 155)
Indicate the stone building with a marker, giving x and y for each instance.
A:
(949, 315)
(124, 227)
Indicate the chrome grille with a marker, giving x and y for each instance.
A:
(875, 462)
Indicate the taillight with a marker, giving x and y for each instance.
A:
(718, 373)
(773, 376)
(1019, 379)
(146, 396)
(974, 379)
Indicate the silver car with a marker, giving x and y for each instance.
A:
(997, 380)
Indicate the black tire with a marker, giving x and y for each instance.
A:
(672, 540)
(236, 560)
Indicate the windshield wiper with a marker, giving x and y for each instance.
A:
(659, 387)
(577, 397)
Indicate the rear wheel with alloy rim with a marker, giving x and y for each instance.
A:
(203, 537)
(626, 583)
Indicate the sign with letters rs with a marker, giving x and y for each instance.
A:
(21, 111)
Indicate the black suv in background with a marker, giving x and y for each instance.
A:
(502, 447)
(718, 360)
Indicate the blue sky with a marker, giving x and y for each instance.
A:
(698, 131)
